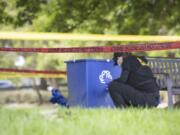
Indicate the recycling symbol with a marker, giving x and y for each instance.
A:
(105, 77)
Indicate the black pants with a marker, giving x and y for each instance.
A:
(124, 95)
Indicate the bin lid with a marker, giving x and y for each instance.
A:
(85, 60)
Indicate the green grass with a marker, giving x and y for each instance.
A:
(77, 121)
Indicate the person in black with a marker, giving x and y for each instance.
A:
(136, 86)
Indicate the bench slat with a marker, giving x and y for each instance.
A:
(166, 66)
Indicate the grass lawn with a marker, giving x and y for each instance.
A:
(77, 121)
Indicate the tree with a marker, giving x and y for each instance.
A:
(145, 17)
(5, 18)
(28, 10)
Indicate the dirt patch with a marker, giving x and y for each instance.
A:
(23, 96)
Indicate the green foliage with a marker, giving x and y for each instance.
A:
(5, 18)
(115, 16)
(28, 10)
(7, 60)
(146, 17)
(65, 15)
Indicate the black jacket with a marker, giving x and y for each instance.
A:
(137, 75)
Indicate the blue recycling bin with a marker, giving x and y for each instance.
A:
(88, 80)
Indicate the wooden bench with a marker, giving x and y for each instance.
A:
(167, 72)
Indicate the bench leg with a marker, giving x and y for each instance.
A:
(170, 94)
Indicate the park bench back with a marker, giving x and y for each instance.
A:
(167, 72)
(164, 66)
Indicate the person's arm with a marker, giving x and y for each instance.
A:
(124, 76)
(125, 71)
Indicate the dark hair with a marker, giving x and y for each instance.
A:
(120, 54)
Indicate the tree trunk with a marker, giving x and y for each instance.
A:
(37, 89)
(43, 84)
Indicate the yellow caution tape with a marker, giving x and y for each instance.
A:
(83, 37)
(31, 75)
